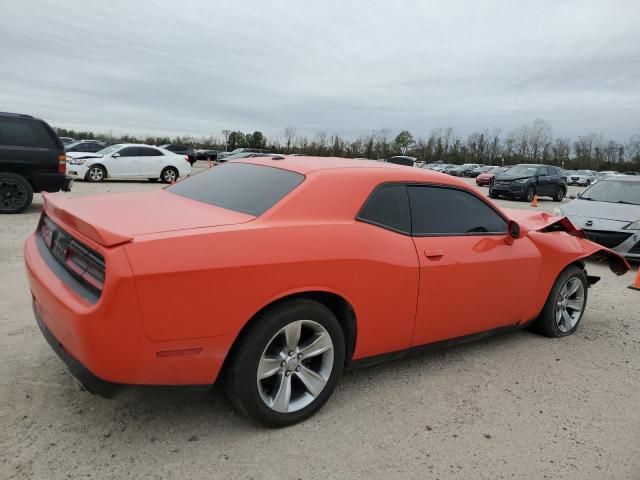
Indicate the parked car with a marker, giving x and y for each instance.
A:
(67, 140)
(607, 172)
(183, 150)
(238, 156)
(473, 173)
(526, 180)
(455, 170)
(583, 178)
(630, 172)
(85, 146)
(609, 213)
(205, 154)
(568, 174)
(467, 168)
(402, 160)
(485, 178)
(32, 159)
(99, 282)
(223, 155)
(129, 160)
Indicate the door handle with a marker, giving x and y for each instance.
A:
(435, 254)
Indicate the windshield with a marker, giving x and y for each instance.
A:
(523, 170)
(242, 187)
(614, 191)
(109, 150)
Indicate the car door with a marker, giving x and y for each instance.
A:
(471, 279)
(150, 163)
(122, 163)
(544, 181)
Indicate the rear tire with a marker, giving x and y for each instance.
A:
(16, 193)
(169, 175)
(559, 195)
(491, 194)
(274, 387)
(96, 174)
(565, 305)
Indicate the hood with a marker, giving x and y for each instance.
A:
(114, 219)
(509, 177)
(82, 155)
(604, 210)
(486, 175)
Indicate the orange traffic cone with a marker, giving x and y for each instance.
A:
(534, 203)
(636, 284)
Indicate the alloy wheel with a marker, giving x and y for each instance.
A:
(169, 175)
(295, 366)
(12, 195)
(570, 304)
(96, 174)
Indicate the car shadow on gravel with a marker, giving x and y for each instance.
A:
(187, 414)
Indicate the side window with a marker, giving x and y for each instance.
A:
(149, 152)
(388, 206)
(129, 152)
(542, 171)
(448, 211)
(25, 133)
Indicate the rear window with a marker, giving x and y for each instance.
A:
(25, 133)
(242, 187)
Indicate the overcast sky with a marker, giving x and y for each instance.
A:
(198, 66)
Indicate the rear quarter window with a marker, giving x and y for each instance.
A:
(246, 188)
(26, 133)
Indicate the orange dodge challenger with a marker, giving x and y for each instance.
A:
(273, 274)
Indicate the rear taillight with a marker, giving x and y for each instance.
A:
(85, 264)
(62, 164)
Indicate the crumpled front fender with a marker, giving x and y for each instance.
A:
(544, 222)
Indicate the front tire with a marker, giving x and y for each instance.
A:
(287, 364)
(565, 305)
(16, 193)
(529, 194)
(96, 173)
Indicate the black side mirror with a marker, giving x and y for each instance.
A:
(513, 232)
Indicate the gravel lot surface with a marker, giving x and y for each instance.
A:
(516, 406)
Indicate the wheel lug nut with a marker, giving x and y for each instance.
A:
(291, 353)
(283, 364)
(287, 373)
(298, 369)
(299, 355)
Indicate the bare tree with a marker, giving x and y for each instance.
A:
(290, 137)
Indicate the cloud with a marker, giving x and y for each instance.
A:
(196, 67)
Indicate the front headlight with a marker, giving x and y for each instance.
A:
(633, 226)
(558, 211)
(522, 180)
(77, 161)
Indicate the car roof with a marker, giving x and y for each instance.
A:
(306, 165)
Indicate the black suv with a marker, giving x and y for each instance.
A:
(526, 180)
(181, 150)
(32, 159)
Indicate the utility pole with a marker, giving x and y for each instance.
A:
(226, 139)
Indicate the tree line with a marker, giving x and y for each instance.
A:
(533, 143)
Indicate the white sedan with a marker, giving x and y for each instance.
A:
(128, 160)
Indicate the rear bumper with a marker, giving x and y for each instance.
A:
(91, 382)
(51, 182)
